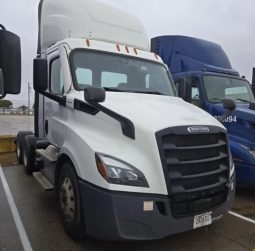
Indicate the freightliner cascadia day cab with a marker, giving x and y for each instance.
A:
(204, 75)
(10, 63)
(128, 159)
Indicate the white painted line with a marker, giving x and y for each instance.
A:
(22, 233)
(242, 217)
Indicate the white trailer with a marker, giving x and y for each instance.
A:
(127, 158)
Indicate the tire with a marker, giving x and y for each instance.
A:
(29, 154)
(69, 201)
(19, 145)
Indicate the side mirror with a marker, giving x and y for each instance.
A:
(94, 95)
(2, 94)
(184, 89)
(10, 61)
(252, 106)
(40, 74)
(229, 104)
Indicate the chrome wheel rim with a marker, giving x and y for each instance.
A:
(66, 199)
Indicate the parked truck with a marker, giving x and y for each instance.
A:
(204, 76)
(10, 63)
(128, 159)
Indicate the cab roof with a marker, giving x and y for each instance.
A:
(60, 19)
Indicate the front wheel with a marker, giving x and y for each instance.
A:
(70, 203)
(29, 153)
(19, 145)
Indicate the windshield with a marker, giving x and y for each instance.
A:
(119, 73)
(220, 88)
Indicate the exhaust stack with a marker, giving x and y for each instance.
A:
(253, 81)
(253, 77)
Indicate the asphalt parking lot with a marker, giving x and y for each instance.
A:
(42, 229)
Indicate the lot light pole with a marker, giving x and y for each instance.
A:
(28, 93)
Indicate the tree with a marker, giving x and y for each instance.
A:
(5, 104)
(23, 108)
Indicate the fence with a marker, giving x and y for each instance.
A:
(16, 111)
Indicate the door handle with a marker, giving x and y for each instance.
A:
(46, 126)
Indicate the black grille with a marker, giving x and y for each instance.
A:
(196, 168)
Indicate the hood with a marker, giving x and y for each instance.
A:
(156, 112)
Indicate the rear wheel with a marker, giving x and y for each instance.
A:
(29, 154)
(19, 145)
(70, 203)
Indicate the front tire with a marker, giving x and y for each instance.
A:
(29, 153)
(19, 145)
(70, 203)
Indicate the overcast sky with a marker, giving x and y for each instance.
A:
(230, 23)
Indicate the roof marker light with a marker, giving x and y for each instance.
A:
(135, 50)
(118, 47)
(127, 49)
(88, 42)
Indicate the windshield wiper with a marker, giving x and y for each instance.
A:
(113, 89)
(149, 92)
(217, 99)
(244, 100)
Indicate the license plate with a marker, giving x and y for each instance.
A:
(202, 220)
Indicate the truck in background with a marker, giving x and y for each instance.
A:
(128, 159)
(10, 63)
(204, 77)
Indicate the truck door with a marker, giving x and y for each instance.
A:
(54, 102)
(193, 93)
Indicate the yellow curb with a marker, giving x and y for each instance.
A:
(7, 143)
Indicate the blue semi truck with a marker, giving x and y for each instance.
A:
(204, 77)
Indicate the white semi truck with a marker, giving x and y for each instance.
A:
(127, 158)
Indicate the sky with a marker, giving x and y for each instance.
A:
(229, 23)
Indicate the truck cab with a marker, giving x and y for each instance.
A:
(122, 168)
(205, 71)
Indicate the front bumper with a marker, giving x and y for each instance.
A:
(115, 216)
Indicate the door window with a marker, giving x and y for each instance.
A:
(56, 77)
(195, 92)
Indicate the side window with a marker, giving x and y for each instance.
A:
(112, 79)
(195, 93)
(56, 77)
(177, 83)
(84, 77)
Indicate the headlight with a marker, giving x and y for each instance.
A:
(118, 172)
(232, 166)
